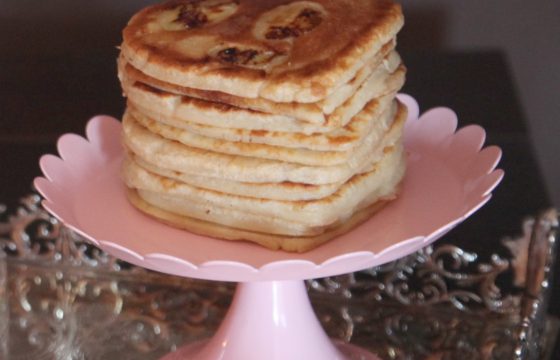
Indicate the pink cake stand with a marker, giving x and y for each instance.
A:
(449, 177)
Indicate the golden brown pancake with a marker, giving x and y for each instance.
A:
(269, 121)
(273, 242)
(173, 155)
(193, 110)
(279, 50)
(373, 121)
(282, 217)
(385, 63)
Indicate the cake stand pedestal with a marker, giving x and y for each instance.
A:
(449, 177)
(270, 320)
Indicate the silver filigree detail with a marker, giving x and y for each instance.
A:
(431, 276)
(68, 314)
(510, 327)
(542, 234)
(34, 235)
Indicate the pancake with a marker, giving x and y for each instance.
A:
(269, 49)
(175, 156)
(297, 152)
(192, 110)
(295, 218)
(286, 191)
(340, 139)
(189, 111)
(273, 242)
(376, 72)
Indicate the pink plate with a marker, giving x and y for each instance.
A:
(449, 177)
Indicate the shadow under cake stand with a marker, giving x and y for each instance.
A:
(449, 177)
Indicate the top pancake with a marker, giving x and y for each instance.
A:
(280, 50)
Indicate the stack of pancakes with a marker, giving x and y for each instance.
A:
(268, 121)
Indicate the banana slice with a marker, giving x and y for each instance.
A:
(247, 56)
(194, 14)
(290, 21)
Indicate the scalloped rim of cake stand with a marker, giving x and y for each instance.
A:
(450, 176)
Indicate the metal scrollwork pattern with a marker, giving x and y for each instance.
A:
(67, 315)
(67, 297)
(500, 327)
(34, 235)
(430, 276)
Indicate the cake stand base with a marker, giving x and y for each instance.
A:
(270, 320)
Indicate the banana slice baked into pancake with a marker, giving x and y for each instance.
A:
(269, 121)
(279, 50)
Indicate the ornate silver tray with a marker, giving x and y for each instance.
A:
(61, 298)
